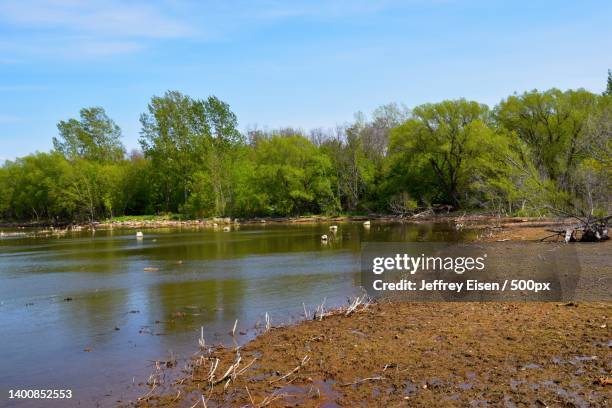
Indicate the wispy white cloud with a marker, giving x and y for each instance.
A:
(85, 28)
(110, 18)
(101, 28)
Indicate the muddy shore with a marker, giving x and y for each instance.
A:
(415, 354)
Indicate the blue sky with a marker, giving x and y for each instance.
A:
(303, 63)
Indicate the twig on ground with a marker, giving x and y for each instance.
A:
(378, 378)
(295, 370)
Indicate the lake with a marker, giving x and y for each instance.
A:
(92, 311)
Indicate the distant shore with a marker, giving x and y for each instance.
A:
(464, 220)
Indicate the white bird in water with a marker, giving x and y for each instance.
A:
(333, 228)
(139, 235)
(324, 238)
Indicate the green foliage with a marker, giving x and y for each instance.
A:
(560, 132)
(552, 124)
(183, 137)
(293, 176)
(533, 152)
(94, 137)
(446, 152)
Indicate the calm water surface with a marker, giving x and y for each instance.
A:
(80, 312)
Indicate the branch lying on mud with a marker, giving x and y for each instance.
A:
(295, 370)
(378, 378)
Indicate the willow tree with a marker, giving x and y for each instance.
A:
(444, 150)
(553, 125)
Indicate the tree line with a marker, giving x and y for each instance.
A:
(531, 154)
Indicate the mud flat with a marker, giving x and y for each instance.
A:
(415, 354)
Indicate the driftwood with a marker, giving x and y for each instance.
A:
(590, 229)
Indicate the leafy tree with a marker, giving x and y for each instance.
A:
(608, 91)
(293, 175)
(552, 125)
(221, 152)
(35, 183)
(169, 138)
(353, 171)
(6, 191)
(442, 149)
(94, 137)
(181, 135)
(136, 186)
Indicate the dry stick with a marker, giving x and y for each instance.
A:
(320, 310)
(178, 394)
(234, 329)
(354, 304)
(268, 322)
(305, 311)
(213, 368)
(270, 399)
(246, 366)
(201, 340)
(198, 401)
(250, 396)
(364, 380)
(146, 396)
(296, 369)
(229, 373)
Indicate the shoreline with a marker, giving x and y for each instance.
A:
(472, 220)
(397, 353)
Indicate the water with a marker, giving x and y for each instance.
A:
(80, 312)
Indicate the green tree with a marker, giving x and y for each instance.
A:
(608, 91)
(293, 175)
(182, 136)
(6, 191)
(443, 149)
(36, 186)
(94, 137)
(552, 124)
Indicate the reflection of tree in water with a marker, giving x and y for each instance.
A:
(248, 241)
(91, 253)
(427, 231)
(181, 306)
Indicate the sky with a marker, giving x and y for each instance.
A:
(300, 63)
